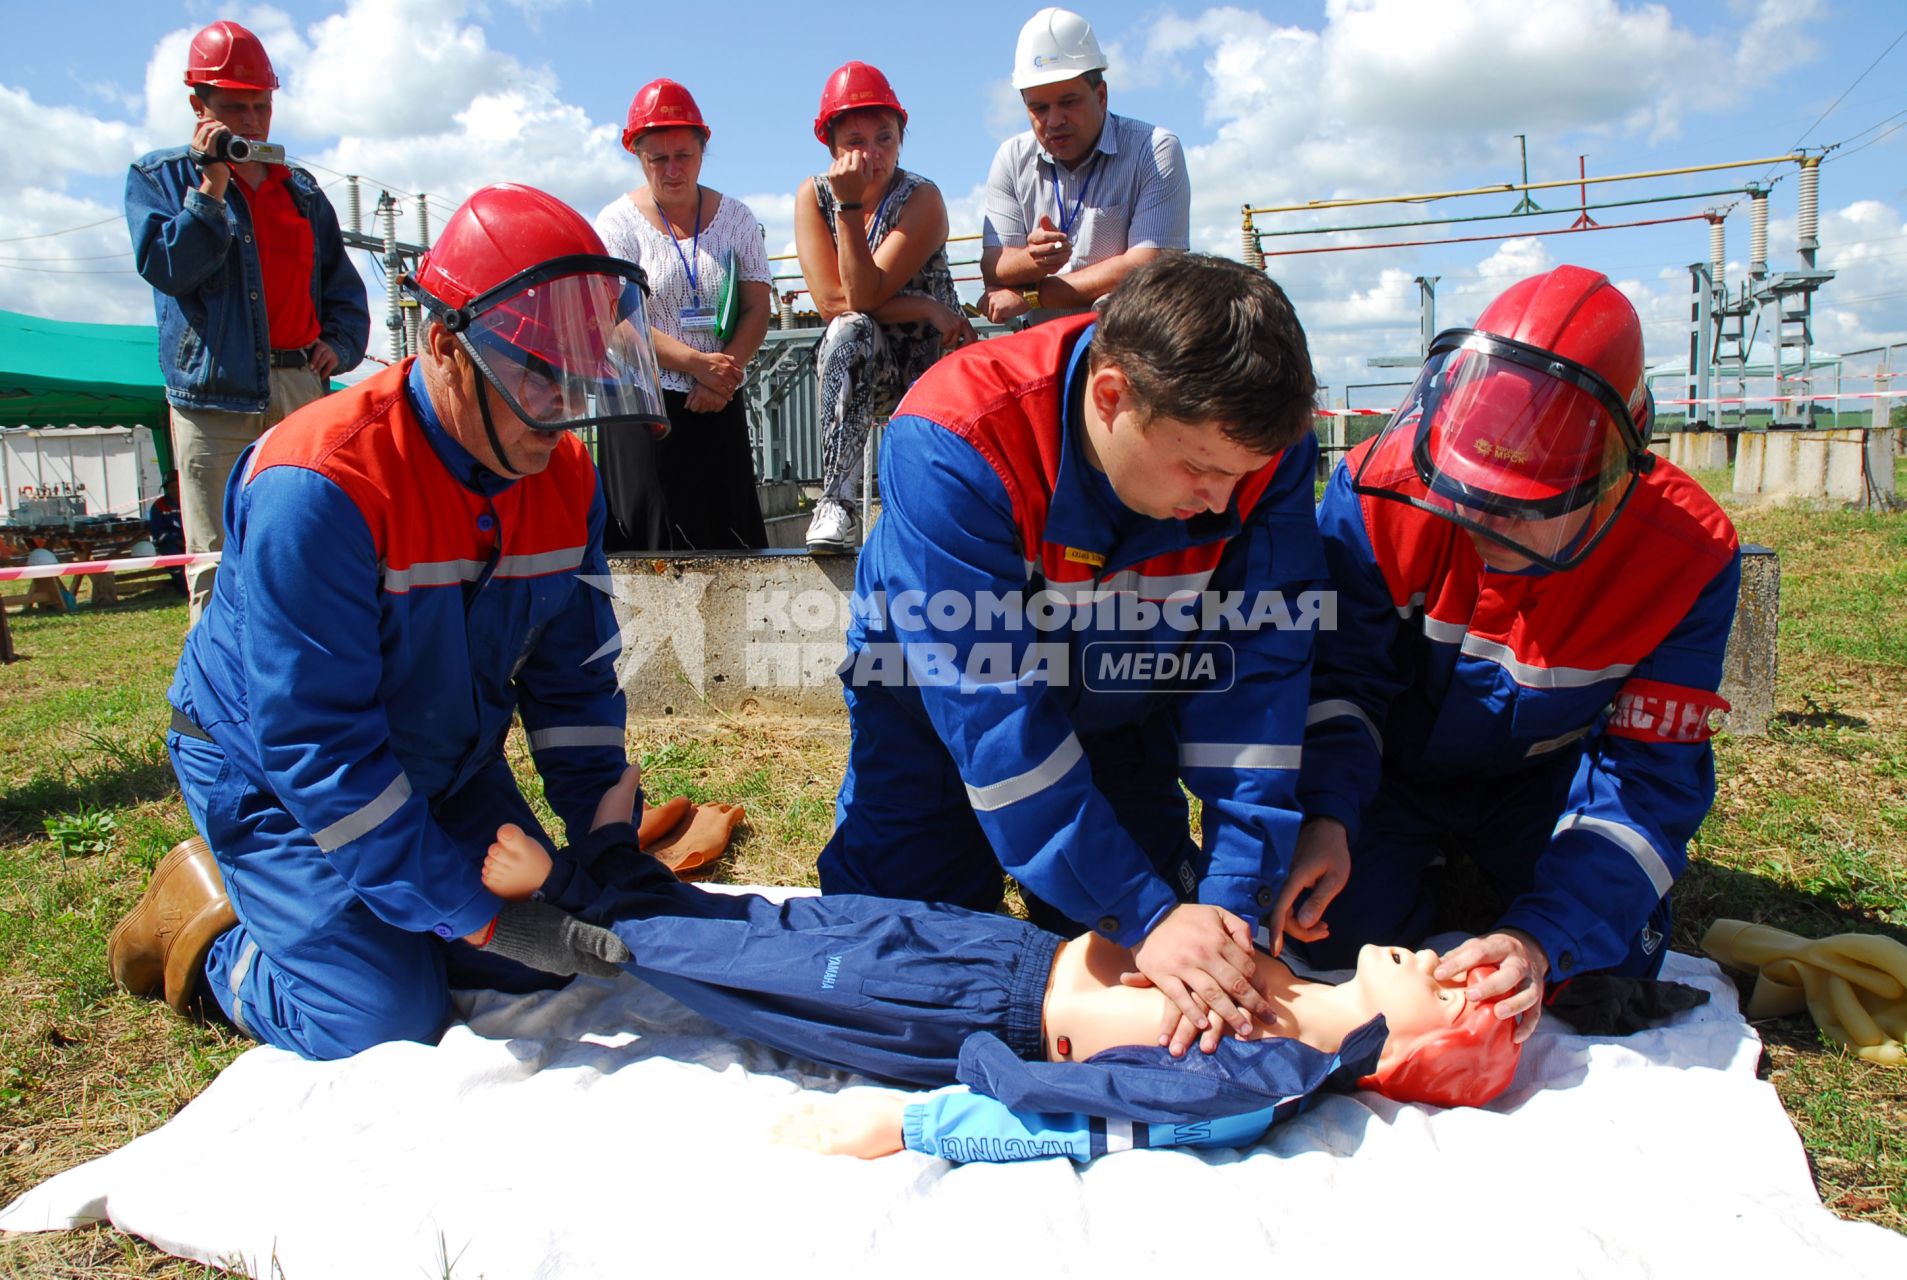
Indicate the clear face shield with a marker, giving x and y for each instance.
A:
(1530, 450)
(566, 344)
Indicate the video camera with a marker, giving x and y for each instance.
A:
(232, 149)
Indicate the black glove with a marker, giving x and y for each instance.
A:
(1601, 1004)
(546, 938)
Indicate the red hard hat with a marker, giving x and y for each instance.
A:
(662, 104)
(1518, 431)
(227, 56)
(854, 86)
(496, 234)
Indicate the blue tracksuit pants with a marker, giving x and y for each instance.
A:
(309, 967)
(888, 989)
(1502, 824)
(904, 827)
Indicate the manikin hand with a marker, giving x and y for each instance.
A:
(1516, 986)
(1200, 956)
(619, 802)
(1319, 869)
(516, 865)
(1003, 304)
(855, 1122)
(1049, 247)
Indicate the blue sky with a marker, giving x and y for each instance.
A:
(1276, 103)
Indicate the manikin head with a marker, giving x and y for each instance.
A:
(1199, 374)
(1442, 1049)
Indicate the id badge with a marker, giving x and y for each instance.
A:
(697, 318)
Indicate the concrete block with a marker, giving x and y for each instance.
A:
(1748, 666)
(739, 633)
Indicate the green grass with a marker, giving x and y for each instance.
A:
(1809, 832)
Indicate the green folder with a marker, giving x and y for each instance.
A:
(728, 299)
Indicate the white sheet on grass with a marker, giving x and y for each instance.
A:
(607, 1131)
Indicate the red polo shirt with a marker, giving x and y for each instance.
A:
(285, 250)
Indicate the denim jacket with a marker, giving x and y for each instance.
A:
(208, 288)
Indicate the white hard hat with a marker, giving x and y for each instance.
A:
(1055, 44)
(143, 547)
(40, 555)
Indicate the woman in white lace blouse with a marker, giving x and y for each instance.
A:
(695, 489)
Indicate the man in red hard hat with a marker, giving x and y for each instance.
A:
(1532, 611)
(258, 303)
(405, 574)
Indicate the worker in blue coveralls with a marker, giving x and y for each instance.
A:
(1059, 1055)
(1532, 612)
(405, 574)
(1096, 573)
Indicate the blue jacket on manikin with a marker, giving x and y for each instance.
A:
(1129, 1099)
(207, 287)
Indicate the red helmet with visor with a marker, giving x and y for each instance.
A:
(558, 327)
(1530, 429)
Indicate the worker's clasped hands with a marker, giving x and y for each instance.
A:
(1201, 958)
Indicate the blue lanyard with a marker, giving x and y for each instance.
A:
(695, 246)
(1066, 220)
(880, 211)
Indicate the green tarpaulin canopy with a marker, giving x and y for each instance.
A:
(57, 373)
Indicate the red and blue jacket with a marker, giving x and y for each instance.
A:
(986, 498)
(384, 607)
(1442, 669)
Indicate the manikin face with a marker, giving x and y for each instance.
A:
(1161, 467)
(1066, 118)
(671, 161)
(246, 112)
(1398, 984)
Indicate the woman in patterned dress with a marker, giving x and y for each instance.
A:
(872, 239)
(695, 489)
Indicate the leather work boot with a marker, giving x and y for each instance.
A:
(159, 949)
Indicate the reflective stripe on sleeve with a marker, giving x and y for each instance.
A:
(1534, 677)
(1343, 708)
(365, 820)
(999, 795)
(432, 573)
(1238, 755)
(1631, 840)
(1118, 1136)
(580, 735)
(540, 564)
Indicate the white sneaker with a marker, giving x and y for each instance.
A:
(831, 532)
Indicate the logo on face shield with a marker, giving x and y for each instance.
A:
(1501, 453)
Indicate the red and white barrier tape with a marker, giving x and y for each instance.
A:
(1844, 395)
(24, 572)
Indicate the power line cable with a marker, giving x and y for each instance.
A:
(63, 231)
(1850, 89)
(1879, 137)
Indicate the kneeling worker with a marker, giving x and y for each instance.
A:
(405, 573)
(1096, 573)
